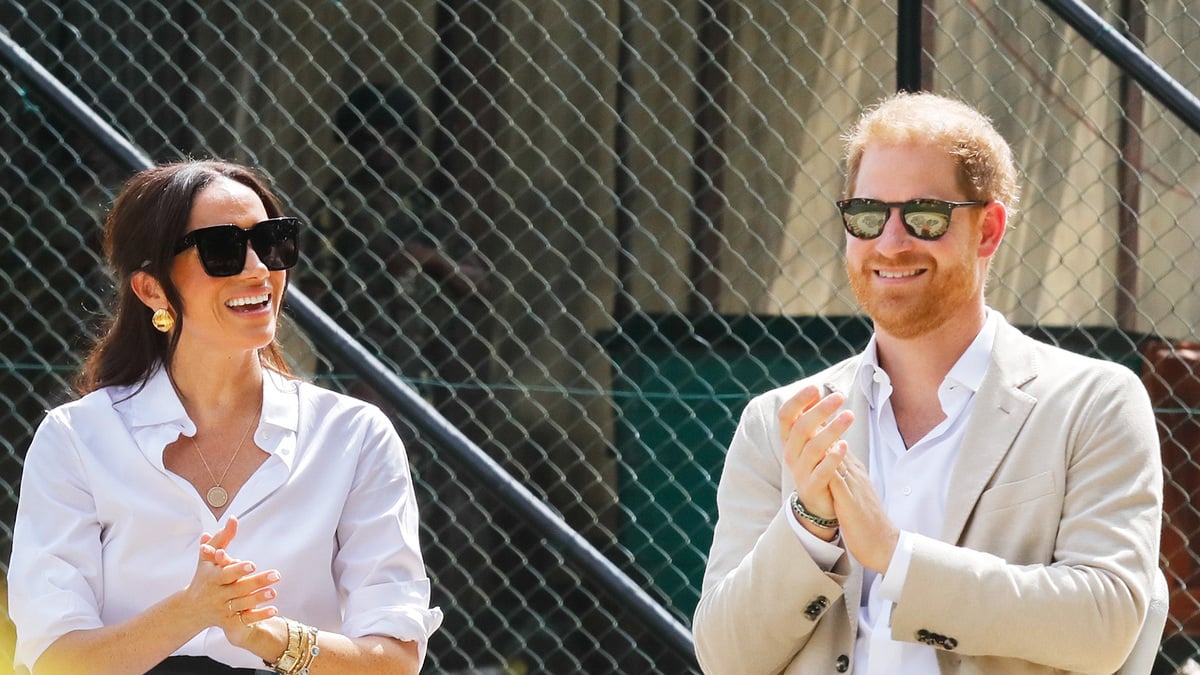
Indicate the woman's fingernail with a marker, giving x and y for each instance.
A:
(273, 576)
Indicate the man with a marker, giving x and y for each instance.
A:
(958, 498)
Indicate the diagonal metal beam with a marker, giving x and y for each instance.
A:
(1129, 58)
(20, 62)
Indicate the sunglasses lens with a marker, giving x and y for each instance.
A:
(222, 250)
(275, 242)
(927, 219)
(864, 218)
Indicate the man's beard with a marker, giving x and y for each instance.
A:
(907, 313)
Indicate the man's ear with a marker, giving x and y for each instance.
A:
(995, 222)
(148, 290)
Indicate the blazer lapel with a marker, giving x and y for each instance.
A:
(844, 381)
(1001, 408)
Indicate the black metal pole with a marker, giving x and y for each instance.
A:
(1124, 53)
(624, 183)
(908, 46)
(49, 87)
(1129, 170)
(708, 157)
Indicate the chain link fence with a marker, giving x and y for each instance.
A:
(588, 232)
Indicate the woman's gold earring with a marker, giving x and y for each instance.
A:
(162, 320)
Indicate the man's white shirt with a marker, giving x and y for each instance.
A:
(912, 483)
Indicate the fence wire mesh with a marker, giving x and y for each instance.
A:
(588, 231)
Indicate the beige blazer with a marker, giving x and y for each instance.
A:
(1045, 564)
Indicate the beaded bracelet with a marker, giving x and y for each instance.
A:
(801, 512)
(301, 650)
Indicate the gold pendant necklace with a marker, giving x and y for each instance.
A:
(218, 496)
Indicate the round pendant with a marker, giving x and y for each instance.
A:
(217, 496)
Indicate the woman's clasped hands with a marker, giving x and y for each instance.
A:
(228, 592)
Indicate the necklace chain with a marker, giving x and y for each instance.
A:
(218, 496)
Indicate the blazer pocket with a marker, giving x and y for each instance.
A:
(1018, 492)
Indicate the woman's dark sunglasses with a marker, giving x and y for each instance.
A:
(926, 219)
(222, 248)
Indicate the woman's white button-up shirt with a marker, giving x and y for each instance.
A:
(104, 531)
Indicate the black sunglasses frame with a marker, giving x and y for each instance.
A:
(913, 206)
(276, 242)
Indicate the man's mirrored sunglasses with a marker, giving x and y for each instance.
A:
(926, 219)
(222, 248)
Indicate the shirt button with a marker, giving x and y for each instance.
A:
(879, 376)
(907, 490)
(843, 663)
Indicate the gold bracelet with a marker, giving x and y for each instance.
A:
(309, 650)
(301, 650)
(287, 660)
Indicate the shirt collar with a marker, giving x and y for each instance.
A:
(967, 371)
(157, 403)
(152, 403)
(280, 405)
(974, 362)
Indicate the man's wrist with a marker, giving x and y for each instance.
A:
(825, 527)
(895, 572)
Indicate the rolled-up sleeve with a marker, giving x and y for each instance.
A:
(378, 567)
(54, 579)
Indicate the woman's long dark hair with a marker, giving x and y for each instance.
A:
(140, 232)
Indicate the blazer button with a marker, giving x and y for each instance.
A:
(843, 663)
(815, 607)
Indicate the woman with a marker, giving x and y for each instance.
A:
(189, 424)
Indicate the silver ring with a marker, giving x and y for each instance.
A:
(843, 472)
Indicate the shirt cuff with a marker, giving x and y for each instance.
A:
(897, 571)
(824, 553)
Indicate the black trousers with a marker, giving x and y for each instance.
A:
(202, 665)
